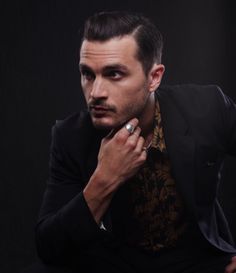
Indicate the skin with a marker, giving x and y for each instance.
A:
(231, 268)
(117, 92)
(113, 78)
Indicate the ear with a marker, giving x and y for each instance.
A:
(155, 76)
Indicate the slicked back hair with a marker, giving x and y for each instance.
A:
(107, 25)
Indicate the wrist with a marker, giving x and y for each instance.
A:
(105, 182)
(98, 196)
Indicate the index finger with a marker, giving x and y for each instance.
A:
(128, 128)
(122, 130)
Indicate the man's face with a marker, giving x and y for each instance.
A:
(113, 81)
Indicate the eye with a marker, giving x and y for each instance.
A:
(87, 74)
(114, 74)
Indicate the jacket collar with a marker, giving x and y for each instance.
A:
(179, 144)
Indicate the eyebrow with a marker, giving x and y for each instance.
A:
(84, 66)
(105, 68)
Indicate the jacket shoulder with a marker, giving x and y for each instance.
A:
(74, 121)
(73, 130)
(195, 98)
(187, 90)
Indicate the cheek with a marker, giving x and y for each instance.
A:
(134, 88)
(131, 101)
(86, 92)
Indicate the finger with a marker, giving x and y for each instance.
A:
(125, 132)
(111, 134)
(139, 146)
(140, 151)
(143, 155)
(136, 132)
(135, 135)
(231, 267)
(133, 122)
(133, 139)
(233, 259)
(130, 126)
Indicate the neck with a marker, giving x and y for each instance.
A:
(147, 118)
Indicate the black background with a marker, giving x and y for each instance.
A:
(39, 83)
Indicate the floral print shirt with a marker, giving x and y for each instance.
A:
(156, 206)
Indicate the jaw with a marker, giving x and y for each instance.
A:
(113, 120)
(104, 122)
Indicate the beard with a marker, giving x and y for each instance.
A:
(115, 118)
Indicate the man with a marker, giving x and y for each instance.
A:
(133, 181)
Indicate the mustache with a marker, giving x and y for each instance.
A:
(101, 103)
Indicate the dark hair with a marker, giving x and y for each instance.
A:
(106, 25)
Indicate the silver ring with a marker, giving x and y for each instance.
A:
(129, 127)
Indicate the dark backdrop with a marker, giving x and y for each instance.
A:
(40, 83)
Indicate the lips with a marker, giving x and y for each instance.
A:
(99, 110)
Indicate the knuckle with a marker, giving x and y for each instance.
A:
(131, 145)
(143, 156)
(135, 120)
(141, 139)
(136, 153)
(138, 130)
(119, 137)
(104, 140)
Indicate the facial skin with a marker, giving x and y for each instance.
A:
(114, 84)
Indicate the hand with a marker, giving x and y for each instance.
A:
(231, 268)
(121, 155)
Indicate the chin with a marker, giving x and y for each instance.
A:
(102, 125)
(105, 124)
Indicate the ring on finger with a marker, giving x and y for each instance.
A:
(129, 127)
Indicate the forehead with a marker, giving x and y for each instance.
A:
(116, 50)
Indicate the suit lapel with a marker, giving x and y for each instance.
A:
(180, 146)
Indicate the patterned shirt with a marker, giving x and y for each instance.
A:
(156, 206)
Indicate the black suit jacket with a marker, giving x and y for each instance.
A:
(199, 124)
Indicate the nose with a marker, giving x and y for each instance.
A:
(98, 90)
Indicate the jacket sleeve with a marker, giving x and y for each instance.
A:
(229, 122)
(65, 220)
